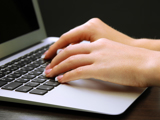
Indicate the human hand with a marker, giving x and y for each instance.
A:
(91, 31)
(105, 60)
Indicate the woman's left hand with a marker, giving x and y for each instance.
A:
(105, 60)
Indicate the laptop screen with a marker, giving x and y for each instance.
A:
(21, 26)
(17, 18)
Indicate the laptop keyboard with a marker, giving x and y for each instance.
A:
(25, 74)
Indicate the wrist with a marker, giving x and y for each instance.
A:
(152, 69)
(151, 44)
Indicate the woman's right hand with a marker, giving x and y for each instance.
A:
(91, 31)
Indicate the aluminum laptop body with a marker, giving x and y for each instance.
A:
(90, 95)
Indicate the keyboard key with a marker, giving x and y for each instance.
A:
(2, 74)
(14, 75)
(40, 69)
(24, 89)
(40, 61)
(29, 67)
(32, 84)
(3, 66)
(21, 63)
(38, 92)
(35, 65)
(12, 86)
(6, 70)
(35, 73)
(2, 83)
(39, 80)
(14, 67)
(21, 72)
(45, 87)
(7, 79)
(42, 76)
(22, 80)
(29, 76)
(52, 83)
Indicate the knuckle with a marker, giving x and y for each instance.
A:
(91, 25)
(94, 20)
(68, 49)
(79, 70)
(100, 42)
(103, 41)
(71, 60)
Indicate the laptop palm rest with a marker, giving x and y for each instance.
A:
(97, 96)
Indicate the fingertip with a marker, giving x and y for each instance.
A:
(59, 78)
(48, 67)
(44, 74)
(44, 55)
(59, 50)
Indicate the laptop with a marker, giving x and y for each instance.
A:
(22, 42)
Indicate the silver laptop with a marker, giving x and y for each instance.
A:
(22, 42)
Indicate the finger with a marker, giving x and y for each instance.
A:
(83, 72)
(75, 35)
(68, 64)
(70, 51)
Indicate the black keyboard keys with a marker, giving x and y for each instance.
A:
(22, 80)
(35, 73)
(12, 86)
(6, 79)
(1, 74)
(32, 84)
(45, 87)
(14, 75)
(24, 89)
(2, 83)
(24, 74)
(52, 83)
(38, 92)
(29, 76)
(39, 80)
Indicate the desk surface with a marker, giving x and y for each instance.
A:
(147, 107)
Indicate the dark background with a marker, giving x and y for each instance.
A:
(136, 18)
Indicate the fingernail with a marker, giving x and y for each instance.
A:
(58, 78)
(46, 72)
(59, 50)
(43, 56)
(48, 66)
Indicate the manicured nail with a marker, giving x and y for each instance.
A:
(43, 56)
(59, 50)
(46, 72)
(58, 78)
(48, 66)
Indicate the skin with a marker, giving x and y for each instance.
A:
(111, 56)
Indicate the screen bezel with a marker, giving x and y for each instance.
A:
(26, 40)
